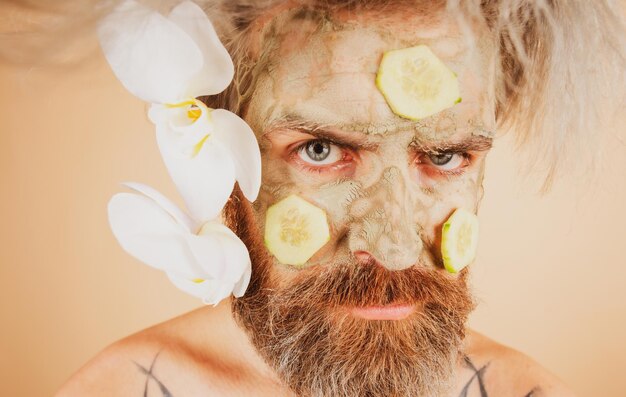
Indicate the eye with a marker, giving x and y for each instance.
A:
(446, 161)
(319, 152)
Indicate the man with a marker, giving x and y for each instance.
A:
(372, 312)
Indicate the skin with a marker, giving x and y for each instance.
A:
(383, 194)
(385, 198)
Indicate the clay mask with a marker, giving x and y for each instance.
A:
(383, 184)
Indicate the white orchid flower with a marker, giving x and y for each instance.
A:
(205, 260)
(169, 61)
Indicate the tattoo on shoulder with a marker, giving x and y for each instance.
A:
(151, 378)
(479, 378)
(533, 393)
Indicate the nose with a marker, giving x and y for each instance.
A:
(366, 258)
(388, 231)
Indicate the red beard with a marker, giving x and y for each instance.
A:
(317, 348)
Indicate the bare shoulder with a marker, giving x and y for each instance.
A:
(167, 359)
(120, 369)
(503, 371)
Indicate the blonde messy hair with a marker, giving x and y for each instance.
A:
(560, 79)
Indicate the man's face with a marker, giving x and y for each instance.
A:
(375, 297)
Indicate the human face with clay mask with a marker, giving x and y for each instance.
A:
(375, 288)
(328, 134)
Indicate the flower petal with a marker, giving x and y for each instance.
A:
(152, 56)
(218, 69)
(210, 291)
(237, 135)
(219, 252)
(205, 179)
(180, 216)
(242, 285)
(150, 234)
(190, 122)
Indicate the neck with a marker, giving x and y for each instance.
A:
(233, 343)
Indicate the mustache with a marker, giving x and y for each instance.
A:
(369, 284)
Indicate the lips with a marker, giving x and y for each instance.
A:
(384, 312)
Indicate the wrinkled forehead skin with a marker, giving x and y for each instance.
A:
(324, 74)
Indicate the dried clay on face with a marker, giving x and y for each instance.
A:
(381, 210)
(325, 80)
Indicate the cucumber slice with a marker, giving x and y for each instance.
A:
(295, 230)
(416, 84)
(459, 240)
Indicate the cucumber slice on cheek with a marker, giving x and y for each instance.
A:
(295, 230)
(459, 240)
(417, 84)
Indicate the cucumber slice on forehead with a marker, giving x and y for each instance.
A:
(295, 230)
(417, 84)
(459, 240)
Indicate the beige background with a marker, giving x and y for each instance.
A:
(551, 273)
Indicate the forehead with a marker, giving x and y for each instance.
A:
(325, 74)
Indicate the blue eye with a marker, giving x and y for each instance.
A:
(446, 161)
(441, 159)
(319, 152)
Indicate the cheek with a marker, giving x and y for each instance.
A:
(280, 182)
(333, 198)
(443, 200)
(464, 193)
(276, 184)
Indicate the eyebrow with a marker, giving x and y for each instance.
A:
(472, 143)
(338, 136)
(321, 131)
